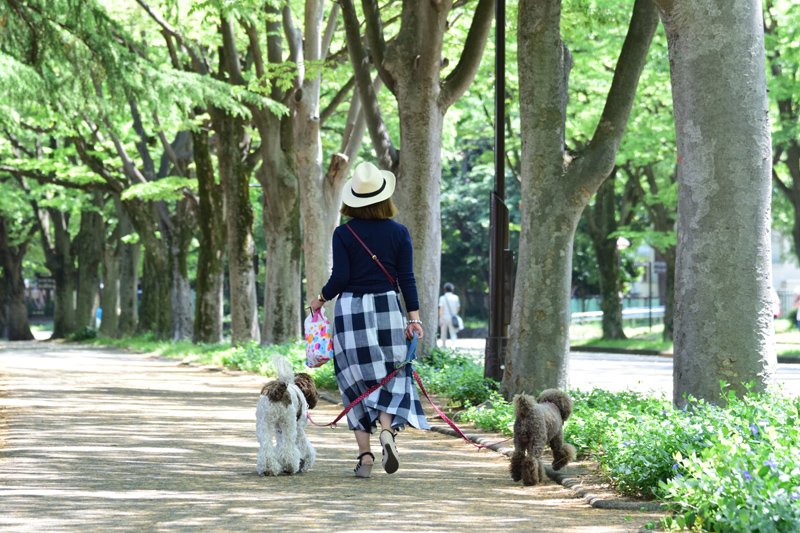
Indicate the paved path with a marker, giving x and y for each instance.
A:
(98, 440)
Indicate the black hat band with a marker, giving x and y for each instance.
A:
(369, 194)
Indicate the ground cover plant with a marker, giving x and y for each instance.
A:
(732, 468)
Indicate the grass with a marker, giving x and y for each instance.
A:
(639, 338)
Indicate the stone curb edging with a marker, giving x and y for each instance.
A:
(782, 359)
(564, 480)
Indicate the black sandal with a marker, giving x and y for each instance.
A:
(390, 460)
(362, 469)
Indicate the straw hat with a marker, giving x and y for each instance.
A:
(369, 185)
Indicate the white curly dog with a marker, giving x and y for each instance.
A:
(281, 415)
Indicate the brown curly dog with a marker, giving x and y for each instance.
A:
(539, 422)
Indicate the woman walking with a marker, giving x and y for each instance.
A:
(370, 331)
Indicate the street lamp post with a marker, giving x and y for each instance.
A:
(500, 262)
(650, 294)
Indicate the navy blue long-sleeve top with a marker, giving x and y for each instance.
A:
(355, 271)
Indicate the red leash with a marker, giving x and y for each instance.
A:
(358, 400)
(439, 412)
(447, 419)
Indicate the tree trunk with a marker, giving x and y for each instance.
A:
(669, 297)
(320, 193)
(109, 295)
(11, 257)
(418, 196)
(414, 62)
(129, 254)
(210, 265)
(181, 291)
(156, 311)
(232, 140)
(4, 303)
(89, 251)
(557, 186)
(282, 284)
(723, 316)
(61, 265)
(410, 66)
(602, 223)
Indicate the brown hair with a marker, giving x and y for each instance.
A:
(378, 211)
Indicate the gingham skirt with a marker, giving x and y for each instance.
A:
(368, 342)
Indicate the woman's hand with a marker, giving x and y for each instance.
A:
(414, 327)
(315, 305)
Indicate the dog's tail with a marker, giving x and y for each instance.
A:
(284, 368)
(558, 398)
(523, 405)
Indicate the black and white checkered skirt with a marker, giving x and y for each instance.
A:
(369, 340)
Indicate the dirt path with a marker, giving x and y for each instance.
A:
(98, 440)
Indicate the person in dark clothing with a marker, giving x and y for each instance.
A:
(370, 330)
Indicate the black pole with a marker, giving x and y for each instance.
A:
(498, 257)
(650, 294)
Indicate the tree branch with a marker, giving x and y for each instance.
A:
(598, 158)
(230, 53)
(330, 29)
(384, 149)
(255, 49)
(45, 179)
(169, 151)
(337, 99)
(785, 189)
(464, 72)
(377, 44)
(197, 60)
(295, 40)
(141, 145)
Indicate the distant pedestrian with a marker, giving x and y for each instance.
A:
(449, 321)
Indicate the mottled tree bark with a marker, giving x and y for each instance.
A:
(129, 255)
(60, 262)
(155, 314)
(210, 265)
(239, 224)
(11, 256)
(88, 249)
(723, 316)
(109, 294)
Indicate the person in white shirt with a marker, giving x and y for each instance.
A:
(449, 307)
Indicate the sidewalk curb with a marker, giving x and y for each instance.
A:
(564, 480)
(600, 349)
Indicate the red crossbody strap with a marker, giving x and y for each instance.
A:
(374, 257)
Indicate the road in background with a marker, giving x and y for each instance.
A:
(641, 373)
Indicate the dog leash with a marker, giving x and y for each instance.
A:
(412, 354)
(447, 419)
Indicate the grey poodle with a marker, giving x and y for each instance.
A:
(539, 422)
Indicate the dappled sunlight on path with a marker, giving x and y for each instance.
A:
(92, 439)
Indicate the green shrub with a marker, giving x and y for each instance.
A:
(84, 334)
(456, 376)
(495, 414)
